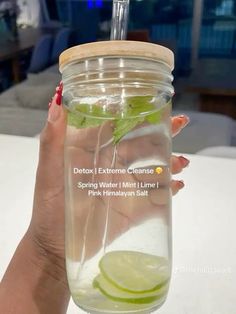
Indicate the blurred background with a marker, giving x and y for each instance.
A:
(202, 34)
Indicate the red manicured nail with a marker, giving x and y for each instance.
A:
(184, 161)
(58, 98)
(59, 94)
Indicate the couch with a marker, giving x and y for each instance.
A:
(23, 108)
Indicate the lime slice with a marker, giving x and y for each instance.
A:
(116, 294)
(135, 271)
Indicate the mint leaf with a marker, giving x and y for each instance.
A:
(92, 110)
(136, 106)
(154, 117)
(80, 121)
(136, 112)
(139, 104)
(92, 116)
(123, 126)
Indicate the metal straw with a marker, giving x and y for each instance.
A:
(120, 16)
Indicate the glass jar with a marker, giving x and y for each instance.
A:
(117, 175)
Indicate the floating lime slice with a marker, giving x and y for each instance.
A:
(116, 294)
(135, 272)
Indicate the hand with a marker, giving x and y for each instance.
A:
(35, 280)
(48, 224)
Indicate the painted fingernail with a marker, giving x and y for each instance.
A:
(184, 120)
(180, 184)
(49, 104)
(184, 161)
(59, 94)
(59, 88)
(55, 106)
(58, 98)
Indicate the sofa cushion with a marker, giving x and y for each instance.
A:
(36, 91)
(22, 121)
(8, 98)
(204, 130)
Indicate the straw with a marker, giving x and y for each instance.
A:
(120, 16)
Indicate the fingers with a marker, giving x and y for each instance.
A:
(143, 147)
(178, 163)
(48, 210)
(90, 138)
(161, 196)
(153, 142)
(178, 123)
(54, 130)
(176, 186)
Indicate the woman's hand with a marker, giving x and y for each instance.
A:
(35, 281)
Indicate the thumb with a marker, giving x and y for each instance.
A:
(51, 161)
(47, 223)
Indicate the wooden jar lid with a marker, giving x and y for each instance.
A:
(117, 48)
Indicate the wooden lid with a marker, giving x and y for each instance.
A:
(119, 48)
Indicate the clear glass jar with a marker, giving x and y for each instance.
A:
(117, 175)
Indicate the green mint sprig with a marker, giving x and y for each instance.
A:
(136, 112)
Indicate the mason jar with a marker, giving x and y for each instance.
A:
(117, 95)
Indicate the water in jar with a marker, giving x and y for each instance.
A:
(118, 200)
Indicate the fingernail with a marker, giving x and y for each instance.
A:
(55, 106)
(180, 184)
(58, 98)
(184, 161)
(59, 88)
(184, 120)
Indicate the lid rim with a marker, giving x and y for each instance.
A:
(135, 49)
